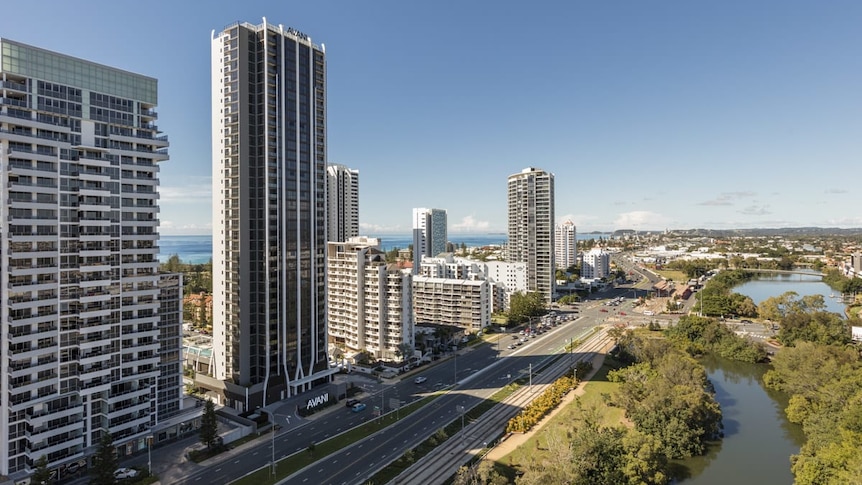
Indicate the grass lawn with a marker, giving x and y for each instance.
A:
(536, 446)
(672, 274)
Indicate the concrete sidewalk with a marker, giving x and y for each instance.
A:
(513, 441)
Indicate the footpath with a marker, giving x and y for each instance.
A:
(171, 464)
(515, 440)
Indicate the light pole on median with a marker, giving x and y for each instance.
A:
(149, 455)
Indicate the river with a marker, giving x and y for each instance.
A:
(766, 286)
(758, 439)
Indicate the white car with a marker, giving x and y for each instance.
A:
(123, 473)
(420, 380)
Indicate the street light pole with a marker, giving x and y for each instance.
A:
(455, 381)
(273, 444)
(149, 455)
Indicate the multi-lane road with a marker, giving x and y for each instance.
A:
(470, 377)
(479, 373)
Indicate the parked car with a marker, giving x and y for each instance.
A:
(604, 310)
(123, 473)
(510, 347)
(358, 407)
(420, 379)
(351, 402)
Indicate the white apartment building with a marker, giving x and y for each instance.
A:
(83, 350)
(430, 234)
(454, 302)
(509, 278)
(565, 245)
(596, 264)
(342, 202)
(531, 228)
(448, 266)
(369, 301)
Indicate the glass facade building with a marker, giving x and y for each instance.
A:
(342, 202)
(430, 234)
(269, 214)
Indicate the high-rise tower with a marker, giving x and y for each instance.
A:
(342, 202)
(269, 213)
(79, 270)
(430, 234)
(531, 227)
(565, 245)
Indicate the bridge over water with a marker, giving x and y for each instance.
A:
(784, 271)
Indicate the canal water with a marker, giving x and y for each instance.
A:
(758, 439)
(767, 286)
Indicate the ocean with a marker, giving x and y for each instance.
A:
(190, 249)
(472, 240)
(199, 249)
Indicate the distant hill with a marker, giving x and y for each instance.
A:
(784, 231)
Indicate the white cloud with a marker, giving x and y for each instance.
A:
(644, 220)
(198, 189)
(470, 224)
(756, 210)
(727, 198)
(367, 228)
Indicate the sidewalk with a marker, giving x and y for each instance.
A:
(516, 440)
(170, 462)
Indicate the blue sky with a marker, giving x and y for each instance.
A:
(651, 115)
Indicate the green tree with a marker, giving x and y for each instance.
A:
(522, 306)
(173, 264)
(404, 350)
(41, 476)
(104, 462)
(209, 425)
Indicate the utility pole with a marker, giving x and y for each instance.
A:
(455, 382)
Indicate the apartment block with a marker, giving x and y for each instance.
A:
(342, 202)
(596, 264)
(465, 303)
(84, 350)
(565, 245)
(531, 228)
(430, 234)
(269, 214)
(369, 300)
(508, 278)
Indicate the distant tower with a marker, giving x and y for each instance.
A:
(565, 245)
(429, 234)
(342, 202)
(531, 227)
(269, 214)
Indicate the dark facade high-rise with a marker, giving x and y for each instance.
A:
(269, 213)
